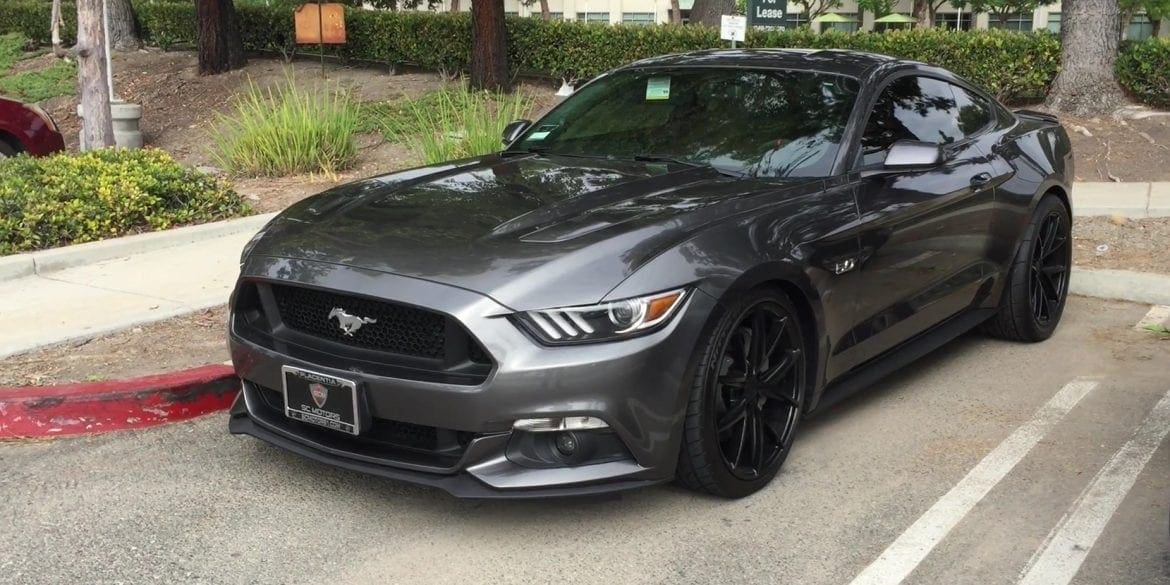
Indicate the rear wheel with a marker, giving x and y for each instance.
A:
(1037, 288)
(746, 397)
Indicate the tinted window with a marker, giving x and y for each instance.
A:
(759, 123)
(974, 111)
(911, 108)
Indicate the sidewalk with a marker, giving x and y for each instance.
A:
(85, 291)
(90, 300)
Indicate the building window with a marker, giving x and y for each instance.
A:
(637, 18)
(1140, 28)
(797, 20)
(551, 15)
(507, 13)
(593, 17)
(845, 27)
(953, 20)
(1054, 22)
(1015, 22)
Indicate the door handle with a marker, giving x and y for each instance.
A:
(980, 179)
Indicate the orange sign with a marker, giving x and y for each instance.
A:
(320, 23)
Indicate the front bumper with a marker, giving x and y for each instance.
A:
(638, 386)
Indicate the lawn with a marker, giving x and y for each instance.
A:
(58, 79)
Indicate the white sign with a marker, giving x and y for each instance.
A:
(732, 28)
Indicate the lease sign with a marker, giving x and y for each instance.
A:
(766, 12)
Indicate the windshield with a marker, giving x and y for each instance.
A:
(752, 122)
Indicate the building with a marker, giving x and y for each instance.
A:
(658, 11)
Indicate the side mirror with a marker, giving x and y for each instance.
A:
(514, 129)
(910, 154)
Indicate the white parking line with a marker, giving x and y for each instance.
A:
(901, 557)
(1158, 315)
(1059, 559)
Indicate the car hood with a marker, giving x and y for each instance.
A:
(529, 231)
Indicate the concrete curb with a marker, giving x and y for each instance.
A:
(1132, 200)
(30, 263)
(1121, 285)
(99, 407)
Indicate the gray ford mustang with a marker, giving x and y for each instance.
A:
(656, 280)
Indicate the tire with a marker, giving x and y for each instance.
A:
(1041, 264)
(7, 150)
(770, 396)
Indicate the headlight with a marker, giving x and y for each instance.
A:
(606, 321)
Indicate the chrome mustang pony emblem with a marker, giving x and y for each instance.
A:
(349, 323)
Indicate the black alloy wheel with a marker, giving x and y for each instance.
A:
(1036, 290)
(747, 398)
(1048, 284)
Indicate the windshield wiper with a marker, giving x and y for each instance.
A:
(544, 151)
(687, 163)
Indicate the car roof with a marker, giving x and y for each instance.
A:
(842, 62)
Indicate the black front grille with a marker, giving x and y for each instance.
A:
(388, 327)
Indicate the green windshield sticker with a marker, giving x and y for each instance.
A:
(658, 88)
(538, 135)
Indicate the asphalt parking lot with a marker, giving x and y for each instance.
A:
(987, 462)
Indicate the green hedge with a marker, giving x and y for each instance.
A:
(69, 199)
(1014, 66)
(1144, 69)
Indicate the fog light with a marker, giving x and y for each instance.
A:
(568, 423)
(566, 444)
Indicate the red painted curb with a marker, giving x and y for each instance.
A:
(98, 407)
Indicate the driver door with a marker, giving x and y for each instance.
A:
(925, 233)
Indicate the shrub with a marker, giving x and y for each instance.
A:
(1144, 71)
(450, 123)
(288, 129)
(1014, 66)
(70, 199)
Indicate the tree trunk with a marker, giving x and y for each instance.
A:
(1156, 27)
(489, 52)
(454, 5)
(675, 13)
(220, 47)
(123, 31)
(97, 129)
(544, 12)
(923, 14)
(56, 21)
(709, 12)
(1085, 84)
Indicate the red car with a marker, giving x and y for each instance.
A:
(27, 128)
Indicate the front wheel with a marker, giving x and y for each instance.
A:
(7, 150)
(746, 397)
(1037, 287)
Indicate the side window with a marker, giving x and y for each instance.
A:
(910, 108)
(974, 112)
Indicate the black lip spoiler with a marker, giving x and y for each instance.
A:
(1040, 115)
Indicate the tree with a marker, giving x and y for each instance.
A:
(97, 129)
(675, 12)
(709, 12)
(925, 10)
(815, 8)
(489, 51)
(879, 8)
(221, 49)
(1155, 9)
(454, 5)
(123, 30)
(1085, 84)
(544, 12)
(1002, 10)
